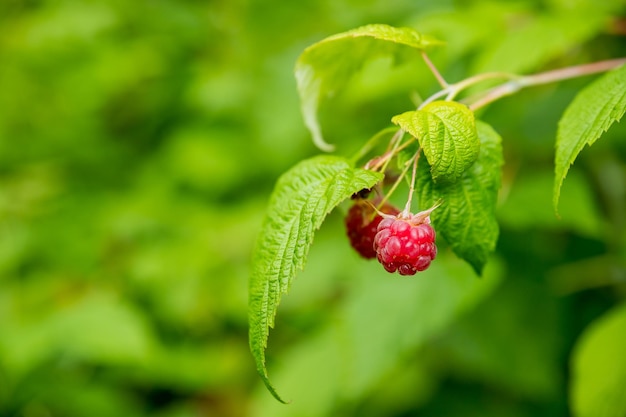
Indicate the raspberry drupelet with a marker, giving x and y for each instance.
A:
(406, 245)
(362, 224)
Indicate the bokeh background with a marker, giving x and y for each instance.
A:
(139, 143)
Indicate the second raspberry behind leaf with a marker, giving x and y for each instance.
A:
(362, 224)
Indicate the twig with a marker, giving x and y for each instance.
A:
(442, 82)
(547, 77)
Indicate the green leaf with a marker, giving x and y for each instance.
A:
(326, 66)
(588, 116)
(302, 198)
(446, 131)
(466, 218)
(599, 368)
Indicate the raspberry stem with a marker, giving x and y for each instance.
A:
(393, 148)
(407, 208)
(395, 184)
(369, 145)
(380, 163)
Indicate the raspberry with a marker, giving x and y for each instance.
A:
(362, 225)
(405, 245)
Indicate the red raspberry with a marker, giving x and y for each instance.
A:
(405, 245)
(362, 225)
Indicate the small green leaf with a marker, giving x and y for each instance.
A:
(588, 116)
(302, 198)
(466, 218)
(599, 368)
(446, 131)
(326, 66)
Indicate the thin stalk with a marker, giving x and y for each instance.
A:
(395, 185)
(395, 140)
(456, 88)
(391, 153)
(407, 207)
(369, 145)
(452, 90)
(434, 97)
(442, 82)
(547, 77)
(376, 163)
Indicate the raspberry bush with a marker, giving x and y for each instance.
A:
(439, 153)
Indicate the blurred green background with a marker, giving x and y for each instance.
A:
(139, 143)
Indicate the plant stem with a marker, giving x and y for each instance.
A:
(369, 145)
(396, 140)
(407, 207)
(456, 88)
(452, 90)
(442, 82)
(395, 185)
(434, 97)
(547, 77)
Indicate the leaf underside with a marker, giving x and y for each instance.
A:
(589, 115)
(326, 66)
(302, 198)
(466, 218)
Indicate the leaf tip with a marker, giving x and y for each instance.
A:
(272, 390)
(262, 371)
(478, 269)
(559, 177)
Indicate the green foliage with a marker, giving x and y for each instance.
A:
(599, 372)
(139, 142)
(325, 67)
(479, 342)
(447, 135)
(578, 210)
(467, 218)
(348, 356)
(302, 198)
(461, 176)
(590, 114)
(540, 38)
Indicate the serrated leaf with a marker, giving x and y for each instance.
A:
(326, 66)
(588, 116)
(466, 218)
(302, 198)
(446, 132)
(598, 386)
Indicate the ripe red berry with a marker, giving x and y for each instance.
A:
(405, 245)
(362, 224)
